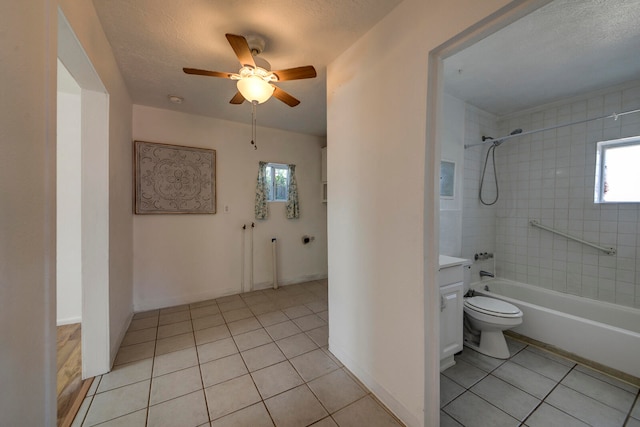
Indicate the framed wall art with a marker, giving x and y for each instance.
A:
(172, 179)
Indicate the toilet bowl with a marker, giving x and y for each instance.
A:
(484, 319)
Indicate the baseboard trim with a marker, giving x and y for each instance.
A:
(123, 332)
(268, 285)
(189, 299)
(155, 304)
(69, 321)
(380, 393)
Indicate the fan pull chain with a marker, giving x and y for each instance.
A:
(253, 124)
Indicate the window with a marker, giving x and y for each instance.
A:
(618, 171)
(277, 182)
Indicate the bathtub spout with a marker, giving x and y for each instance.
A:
(486, 274)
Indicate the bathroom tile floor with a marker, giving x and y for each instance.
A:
(254, 359)
(533, 388)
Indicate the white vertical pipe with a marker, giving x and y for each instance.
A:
(275, 266)
(251, 259)
(242, 251)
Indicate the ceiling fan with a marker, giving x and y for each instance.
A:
(256, 82)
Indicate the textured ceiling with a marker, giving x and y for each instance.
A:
(154, 39)
(563, 49)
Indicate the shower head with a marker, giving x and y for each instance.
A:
(495, 142)
(500, 141)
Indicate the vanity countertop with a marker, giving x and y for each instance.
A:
(449, 261)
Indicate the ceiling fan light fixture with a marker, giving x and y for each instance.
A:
(254, 88)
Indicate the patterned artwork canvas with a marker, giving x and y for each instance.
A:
(174, 179)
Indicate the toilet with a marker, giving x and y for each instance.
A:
(485, 319)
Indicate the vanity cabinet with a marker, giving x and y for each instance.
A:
(450, 319)
(450, 278)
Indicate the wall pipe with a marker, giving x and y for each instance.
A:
(242, 251)
(253, 225)
(504, 138)
(275, 264)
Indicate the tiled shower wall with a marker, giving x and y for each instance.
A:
(549, 176)
(478, 221)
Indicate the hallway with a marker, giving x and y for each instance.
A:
(258, 359)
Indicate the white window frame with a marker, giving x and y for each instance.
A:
(601, 155)
(272, 190)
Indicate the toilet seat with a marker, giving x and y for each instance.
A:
(492, 307)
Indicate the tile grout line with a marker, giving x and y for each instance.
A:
(543, 400)
(482, 398)
(195, 343)
(636, 401)
(593, 398)
(287, 359)
(153, 361)
(606, 382)
(84, 417)
(249, 371)
(468, 389)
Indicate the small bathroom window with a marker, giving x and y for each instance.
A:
(277, 182)
(618, 171)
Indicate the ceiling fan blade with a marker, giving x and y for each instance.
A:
(237, 99)
(306, 72)
(285, 97)
(241, 48)
(207, 73)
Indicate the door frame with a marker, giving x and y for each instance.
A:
(95, 201)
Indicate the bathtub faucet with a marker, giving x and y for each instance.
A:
(486, 274)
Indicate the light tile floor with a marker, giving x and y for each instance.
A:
(254, 359)
(533, 388)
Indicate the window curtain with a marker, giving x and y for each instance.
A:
(293, 206)
(261, 208)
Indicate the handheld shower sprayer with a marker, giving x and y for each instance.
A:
(491, 151)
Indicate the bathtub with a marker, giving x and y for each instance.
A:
(602, 332)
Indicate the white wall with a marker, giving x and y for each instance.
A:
(378, 243)
(27, 214)
(452, 148)
(69, 202)
(186, 258)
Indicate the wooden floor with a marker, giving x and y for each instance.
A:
(69, 371)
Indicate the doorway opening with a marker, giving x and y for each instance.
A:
(433, 153)
(82, 198)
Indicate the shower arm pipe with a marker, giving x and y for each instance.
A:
(504, 138)
(608, 251)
